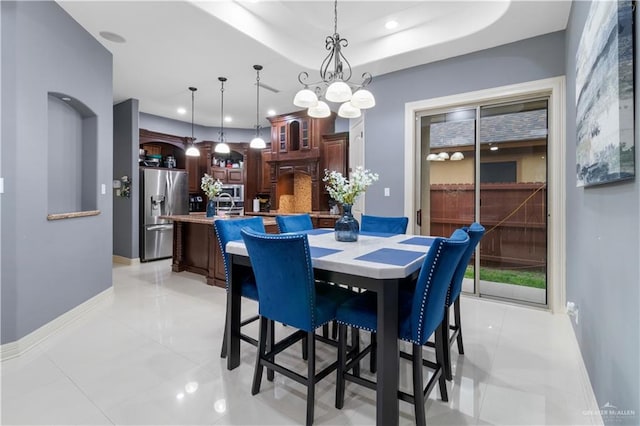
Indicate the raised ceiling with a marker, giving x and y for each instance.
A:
(171, 45)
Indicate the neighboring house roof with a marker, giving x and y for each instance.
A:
(499, 128)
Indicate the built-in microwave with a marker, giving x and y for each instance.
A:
(235, 191)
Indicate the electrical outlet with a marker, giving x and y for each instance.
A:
(387, 192)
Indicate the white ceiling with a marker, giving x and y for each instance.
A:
(171, 45)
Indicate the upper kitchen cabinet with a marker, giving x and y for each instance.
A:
(198, 166)
(334, 153)
(296, 135)
(230, 168)
(162, 150)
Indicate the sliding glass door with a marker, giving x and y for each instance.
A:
(488, 163)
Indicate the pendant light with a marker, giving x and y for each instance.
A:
(222, 147)
(257, 142)
(192, 151)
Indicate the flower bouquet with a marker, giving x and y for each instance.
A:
(210, 186)
(345, 191)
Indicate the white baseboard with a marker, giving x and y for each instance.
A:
(125, 260)
(17, 348)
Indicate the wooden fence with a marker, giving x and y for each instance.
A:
(514, 215)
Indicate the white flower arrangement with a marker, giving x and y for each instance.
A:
(344, 190)
(210, 186)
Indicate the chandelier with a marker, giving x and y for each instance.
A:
(257, 142)
(192, 150)
(222, 147)
(335, 84)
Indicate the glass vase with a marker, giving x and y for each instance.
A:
(211, 208)
(347, 227)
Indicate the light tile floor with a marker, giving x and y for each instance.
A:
(150, 356)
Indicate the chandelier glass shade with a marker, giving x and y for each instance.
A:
(443, 156)
(222, 147)
(192, 151)
(257, 142)
(335, 84)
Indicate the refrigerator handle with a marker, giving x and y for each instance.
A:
(160, 227)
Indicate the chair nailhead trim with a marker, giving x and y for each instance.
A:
(426, 290)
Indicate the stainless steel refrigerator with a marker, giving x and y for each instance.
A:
(162, 192)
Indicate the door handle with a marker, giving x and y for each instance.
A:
(419, 217)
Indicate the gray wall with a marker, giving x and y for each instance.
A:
(182, 128)
(527, 60)
(49, 267)
(125, 163)
(603, 271)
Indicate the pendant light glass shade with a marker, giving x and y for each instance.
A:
(257, 142)
(347, 110)
(456, 156)
(443, 155)
(432, 157)
(222, 147)
(192, 151)
(320, 110)
(305, 98)
(363, 99)
(338, 91)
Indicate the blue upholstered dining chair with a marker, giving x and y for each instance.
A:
(229, 230)
(390, 225)
(288, 293)
(294, 223)
(420, 314)
(475, 232)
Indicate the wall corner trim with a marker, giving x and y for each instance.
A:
(21, 346)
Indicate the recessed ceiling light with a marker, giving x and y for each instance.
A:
(116, 38)
(271, 112)
(228, 119)
(66, 98)
(182, 111)
(494, 148)
(391, 24)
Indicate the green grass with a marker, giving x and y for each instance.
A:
(524, 278)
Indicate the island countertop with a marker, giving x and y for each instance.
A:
(315, 214)
(204, 220)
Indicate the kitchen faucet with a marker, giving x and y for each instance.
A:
(233, 204)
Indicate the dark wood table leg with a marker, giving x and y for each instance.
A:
(388, 357)
(178, 253)
(233, 317)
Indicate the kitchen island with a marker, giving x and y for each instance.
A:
(196, 248)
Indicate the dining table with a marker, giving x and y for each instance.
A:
(377, 262)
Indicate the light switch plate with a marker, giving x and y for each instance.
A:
(1, 185)
(387, 192)
(103, 189)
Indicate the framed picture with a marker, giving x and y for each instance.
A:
(604, 95)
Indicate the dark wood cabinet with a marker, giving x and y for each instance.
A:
(198, 166)
(164, 145)
(234, 165)
(335, 152)
(265, 172)
(296, 135)
(294, 157)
